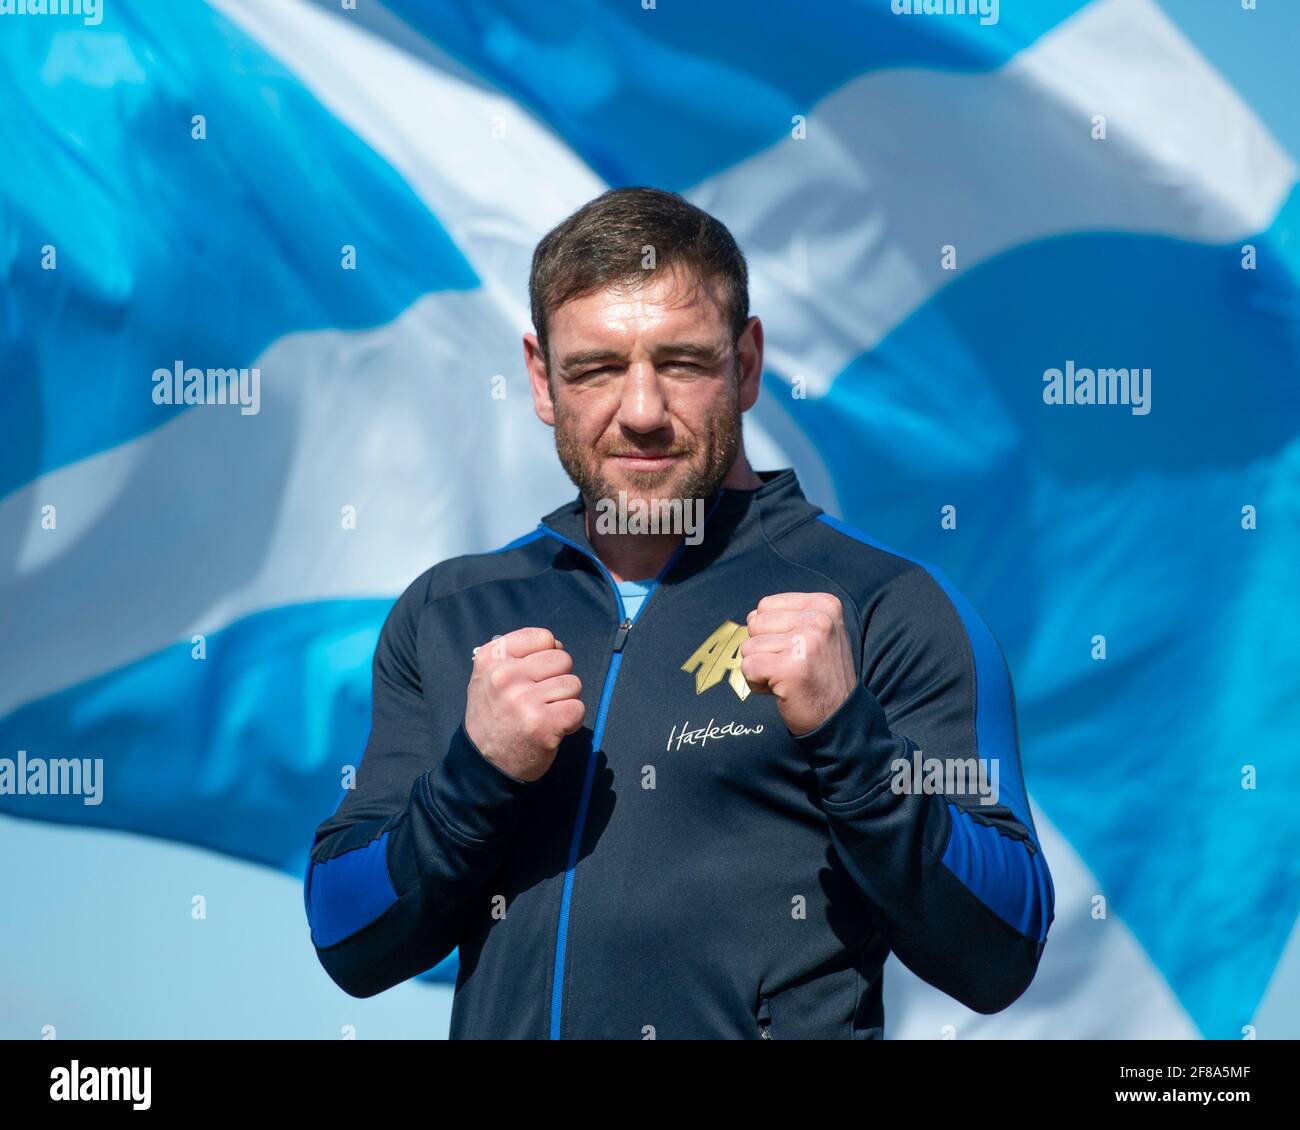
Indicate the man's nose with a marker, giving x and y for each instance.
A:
(644, 407)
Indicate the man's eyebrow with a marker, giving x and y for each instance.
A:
(699, 351)
(589, 356)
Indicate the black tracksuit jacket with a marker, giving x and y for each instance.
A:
(687, 868)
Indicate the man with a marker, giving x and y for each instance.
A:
(660, 784)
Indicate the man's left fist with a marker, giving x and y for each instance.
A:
(799, 651)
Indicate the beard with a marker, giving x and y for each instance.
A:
(699, 471)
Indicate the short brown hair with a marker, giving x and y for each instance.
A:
(603, 244)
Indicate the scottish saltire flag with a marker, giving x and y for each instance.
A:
(962, 227)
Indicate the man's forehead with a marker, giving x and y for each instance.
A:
(615, 313)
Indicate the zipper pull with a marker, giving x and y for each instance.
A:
(621, 638)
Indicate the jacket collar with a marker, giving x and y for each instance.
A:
(734, 521)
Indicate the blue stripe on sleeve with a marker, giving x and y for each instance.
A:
(348, 892)
(994, 724)
(1000, 870)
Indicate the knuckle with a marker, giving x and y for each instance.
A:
(539, 638)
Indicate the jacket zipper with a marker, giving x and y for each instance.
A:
(621, 638)
(598, 732)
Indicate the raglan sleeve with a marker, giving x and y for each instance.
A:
(392, 873)
(920, 780)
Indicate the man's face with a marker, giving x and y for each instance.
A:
(646, 391)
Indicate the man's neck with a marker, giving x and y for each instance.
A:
(640, 557)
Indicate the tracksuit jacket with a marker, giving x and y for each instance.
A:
(687, 868)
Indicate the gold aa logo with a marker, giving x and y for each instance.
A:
(717, 656)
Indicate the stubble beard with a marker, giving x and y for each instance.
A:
(701, 473)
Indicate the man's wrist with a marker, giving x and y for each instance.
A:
(851, 751)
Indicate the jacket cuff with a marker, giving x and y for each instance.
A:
(470, 793)
(851, 751)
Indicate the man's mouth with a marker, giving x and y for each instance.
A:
(644, 460)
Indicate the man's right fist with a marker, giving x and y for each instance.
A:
(523, 700)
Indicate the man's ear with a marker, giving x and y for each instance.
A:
(749, 356)
(535, 363)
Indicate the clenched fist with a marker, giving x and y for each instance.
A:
(798, 650)
(523, 700)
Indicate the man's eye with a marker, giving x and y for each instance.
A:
(683, 365)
